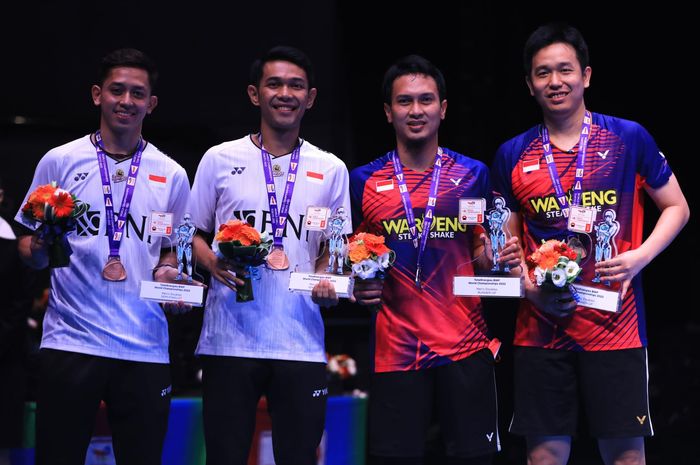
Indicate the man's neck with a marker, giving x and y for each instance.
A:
(278, 142)
(119, 145)
(565, 130)
(418, 157)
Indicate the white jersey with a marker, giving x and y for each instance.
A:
(230, 184)
(86, 313)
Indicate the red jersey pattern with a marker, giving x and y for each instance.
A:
(418, 329)
(621, 159)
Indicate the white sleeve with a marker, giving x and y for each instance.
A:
(340, 196)
(179, 199)
(203, 198)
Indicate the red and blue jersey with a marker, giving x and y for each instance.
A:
(418, 329)
(621, 159)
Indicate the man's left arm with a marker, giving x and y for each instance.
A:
(670, 200)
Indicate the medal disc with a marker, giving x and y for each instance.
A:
(114, 270)
(277, 260)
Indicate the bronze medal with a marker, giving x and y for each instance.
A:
(114, 270)
(277, 259)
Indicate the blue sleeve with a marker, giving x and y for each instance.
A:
(357, 188)
(501, 170)
(651, 163)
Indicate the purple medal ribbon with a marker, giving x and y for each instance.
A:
(580, 163)
(115, 231)
(408, 207)
(279, 215)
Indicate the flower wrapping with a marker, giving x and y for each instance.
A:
(368, 256)
(554, 265)
(241, 243)
(56, 210)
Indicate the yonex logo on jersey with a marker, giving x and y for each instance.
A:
(80, 176)
(319, 392)
(238, 170)
(166, 391)
(641, 419)
(603, 154)
(456, 181)
(489, 436)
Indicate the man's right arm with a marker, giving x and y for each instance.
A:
(32, 251)
(219, 269)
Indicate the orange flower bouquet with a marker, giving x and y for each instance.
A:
(554, 265)
(244, 245)
(368, 256)
(56, 209)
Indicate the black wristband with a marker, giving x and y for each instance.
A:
(161, 265)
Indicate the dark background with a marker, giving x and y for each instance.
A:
(642, 64)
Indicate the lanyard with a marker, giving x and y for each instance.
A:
(115, 231)
(408, 207)
(279, 215)
(580, 163)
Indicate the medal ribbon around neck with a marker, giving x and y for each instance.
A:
(580, 163)
(408, 207)
(115, 230)
(279, 215)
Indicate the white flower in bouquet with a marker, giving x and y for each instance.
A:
(558, 277)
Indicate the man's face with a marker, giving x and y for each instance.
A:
(124, 99)
(416, 109)
(557, 80)
(283, 95)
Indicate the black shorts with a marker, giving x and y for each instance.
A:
(71, 386)
(463, 393)
(612, 387)
(296, 400)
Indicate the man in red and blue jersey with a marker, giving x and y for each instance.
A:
(591, 169)
(432, 350)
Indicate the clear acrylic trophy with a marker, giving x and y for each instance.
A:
(600, 295)
(182, 288)
(497, 282)
(318, 219)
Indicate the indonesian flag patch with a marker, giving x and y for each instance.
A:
(385, 185)
(314, 177)
(531, 165)
(156, 178)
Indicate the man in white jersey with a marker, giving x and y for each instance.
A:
(100, 341)
(273, 345)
